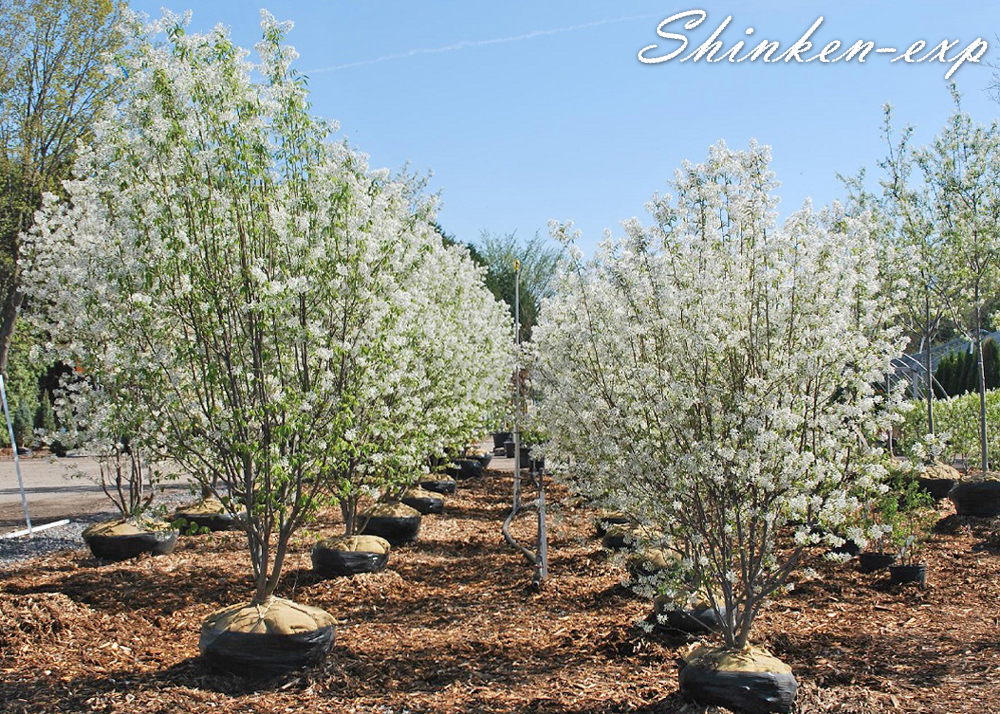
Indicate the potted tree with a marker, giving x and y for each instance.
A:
(874, 533)
(95, 412)
(910, 522)
(267, 295)
(717, 377)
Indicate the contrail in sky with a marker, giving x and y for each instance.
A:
(477, 43)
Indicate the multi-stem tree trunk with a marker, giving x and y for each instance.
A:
(981, 374)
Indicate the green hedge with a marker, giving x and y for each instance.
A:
(958, 372)
(959, 417)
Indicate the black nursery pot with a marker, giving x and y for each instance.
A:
(528, 463)
(915, 573)
(123, 547)
(499, 438)
(508, 448)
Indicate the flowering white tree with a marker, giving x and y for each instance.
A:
(277, 307)
(960, 170)
(716, 375)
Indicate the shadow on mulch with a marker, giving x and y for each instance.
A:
(82, 692)
(113, 590)
(866, 659)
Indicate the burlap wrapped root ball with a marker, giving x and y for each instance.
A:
(267, 640)
(396, 522)
(648, 562)
(350, 555)
(752, 680)
(422, 500)
(938, 479)
(121, 539)
(208, 513)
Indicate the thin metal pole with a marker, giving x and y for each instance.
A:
(13, 444)
(517, 380)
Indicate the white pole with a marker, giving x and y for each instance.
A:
(13, 445)
(53, 524)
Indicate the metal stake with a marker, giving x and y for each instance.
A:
(13, 444)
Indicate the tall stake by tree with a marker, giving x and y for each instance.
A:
(52, 84)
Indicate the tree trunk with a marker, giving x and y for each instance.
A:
(542, 545)
(349, 510)
(8, 315)
(984, 460)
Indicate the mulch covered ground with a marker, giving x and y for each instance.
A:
(452, 626)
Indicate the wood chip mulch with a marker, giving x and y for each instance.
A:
(452, 626)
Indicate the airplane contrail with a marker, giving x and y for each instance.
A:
(477, 43)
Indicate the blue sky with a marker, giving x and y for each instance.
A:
(530, 111)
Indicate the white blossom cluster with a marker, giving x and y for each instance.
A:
(717, 376)
(258, 303)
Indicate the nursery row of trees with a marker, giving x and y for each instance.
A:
(937, 214)
(246, 298)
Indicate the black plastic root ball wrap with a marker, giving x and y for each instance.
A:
(444, 485)
(938, 479)
(484, 459)
(395, 529)
(977, 498)
(697, 620)
(106, 544)
(938, 488)
(425, 503)
(209, 521)
(269, 649)
(464, 469)
(396, 522)
(206, 514)
(753, 682)
(339, 563)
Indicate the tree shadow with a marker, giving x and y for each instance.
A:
(158, 590)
